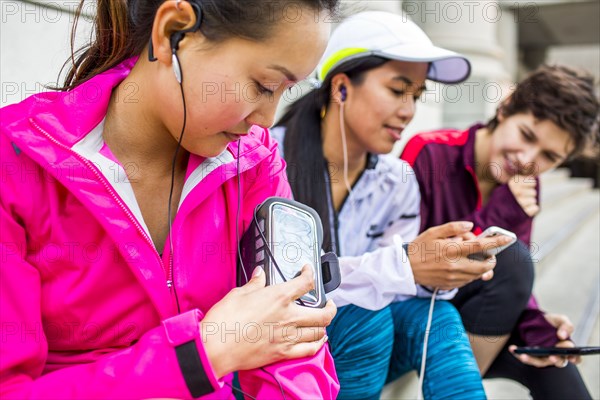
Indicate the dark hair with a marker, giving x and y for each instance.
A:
(563, 96)
(306, 163)
(122, 29)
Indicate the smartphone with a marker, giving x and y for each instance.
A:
(284, 236)
(293, 244)
(493, 231)
(558, 351)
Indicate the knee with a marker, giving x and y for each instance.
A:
(448, 335)
(411, 323)
(515, 272)
(445, 309)
(447, 320)
(446, 332)
(358, 333)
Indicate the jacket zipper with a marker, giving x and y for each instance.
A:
(170, 276)
(168, 273)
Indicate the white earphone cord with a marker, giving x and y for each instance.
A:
(426, 339)
(430, 316)
(345, 150)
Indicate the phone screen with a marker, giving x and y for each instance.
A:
(493, 231)
(294, 244)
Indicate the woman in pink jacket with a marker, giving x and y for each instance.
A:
(119, 232)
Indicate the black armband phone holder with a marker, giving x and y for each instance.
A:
(284, 236)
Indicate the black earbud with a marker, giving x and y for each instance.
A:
(177, 36)
(343, 93)
(175, 39)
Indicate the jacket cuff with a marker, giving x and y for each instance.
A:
(403, 263)
(183, 333)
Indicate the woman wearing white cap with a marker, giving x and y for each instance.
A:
(373, 71)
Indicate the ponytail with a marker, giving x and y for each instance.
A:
(122, 29)
(113, 43)
(306, 164)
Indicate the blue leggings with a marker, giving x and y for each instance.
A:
(372, 348)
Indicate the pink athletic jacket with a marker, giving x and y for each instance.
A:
(86, 311)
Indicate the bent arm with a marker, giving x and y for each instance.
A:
(152, 367)
(303, 378)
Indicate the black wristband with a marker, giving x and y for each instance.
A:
(192, 369)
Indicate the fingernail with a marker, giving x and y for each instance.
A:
(563, 334)
(325, 338)
(467, 226)
(258, 271)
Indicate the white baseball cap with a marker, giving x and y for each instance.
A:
(387, 35)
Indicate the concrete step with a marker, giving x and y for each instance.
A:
(504, 389)
(571, 273)
(590, 368)
(557, 191)
(552, 177)
(404, 388)
(555, 224)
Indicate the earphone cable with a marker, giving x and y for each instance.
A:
(345, 150)
(237, 215)
(240, 391)
(276, 380)
(236, 225)
(237, 237)
(425, 341)
(173, 285)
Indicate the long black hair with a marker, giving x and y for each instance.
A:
(306, 163)
(122, 29)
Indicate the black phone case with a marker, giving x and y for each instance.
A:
(557, 351)
(254, 253)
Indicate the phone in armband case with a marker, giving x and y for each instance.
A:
(284, 236)
(493, 231)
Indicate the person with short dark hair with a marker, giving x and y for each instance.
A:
(488, 174)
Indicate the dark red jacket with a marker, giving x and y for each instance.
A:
(444, 164)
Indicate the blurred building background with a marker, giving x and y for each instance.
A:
(504, 39)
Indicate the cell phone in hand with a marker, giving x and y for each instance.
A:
(557, 351)
(493, 231)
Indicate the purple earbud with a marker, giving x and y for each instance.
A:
(343, 92)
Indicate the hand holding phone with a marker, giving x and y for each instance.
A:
(558, 357)
(493, 231)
